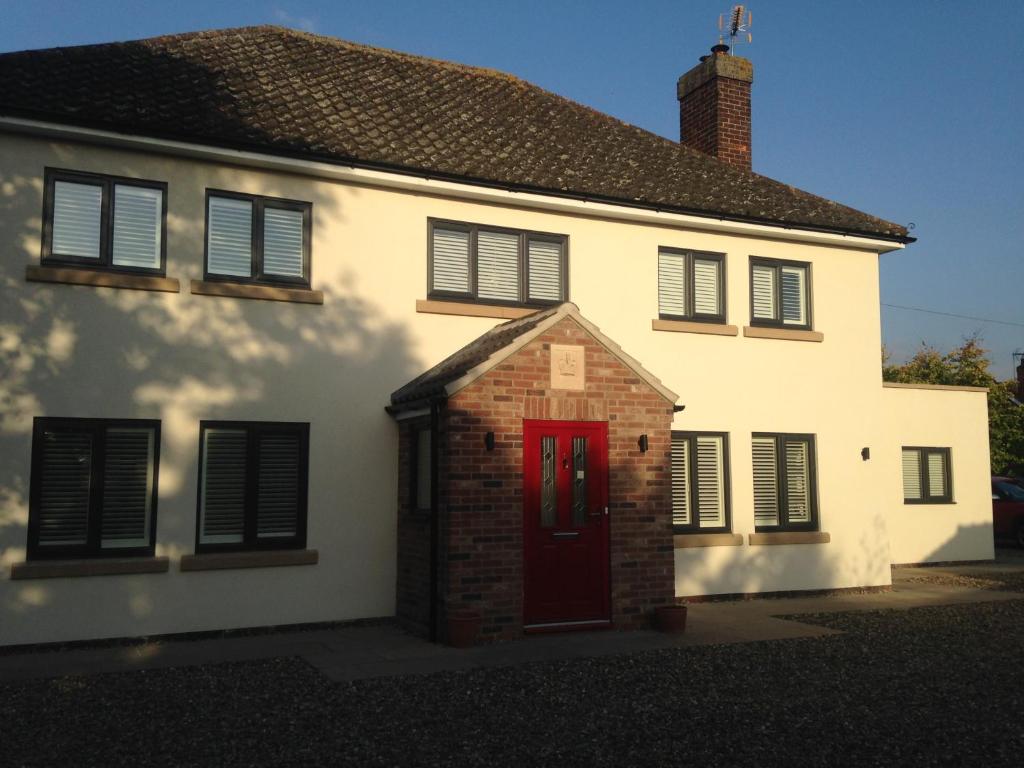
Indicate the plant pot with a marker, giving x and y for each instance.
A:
(670, 618)
(463, 628)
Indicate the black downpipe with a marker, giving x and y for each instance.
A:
(435, 523)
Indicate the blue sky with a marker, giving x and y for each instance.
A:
(910, 110)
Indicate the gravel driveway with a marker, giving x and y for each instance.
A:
(928, 686)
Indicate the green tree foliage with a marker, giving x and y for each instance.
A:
(968, 365)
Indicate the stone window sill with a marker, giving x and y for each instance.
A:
(109, 566)
(100, 279)
(468, 309)
(683, 326)
(694, 540)
(219, 561)
(263, 292)
(788, 537)
(786, 334)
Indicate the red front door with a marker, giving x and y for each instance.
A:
(565, 519)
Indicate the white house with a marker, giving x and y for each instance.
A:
(297, 330)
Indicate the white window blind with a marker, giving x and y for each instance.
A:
(282, 242)
(794, 295)
(680, 481)
(66, 467)
(222, 508)
(497, 275)
(127, 487)
(798, 484)
(763, 291)
(936, 474)
(450, 260)
(911, 474)
(671, 284)
(77, 210)
(229, 237)
(423, 469)
(707, 277)
(766, 484)
(277, 506)
(710, 482)
(138, 224)
(545, 270)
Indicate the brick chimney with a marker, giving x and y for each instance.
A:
(714, 107)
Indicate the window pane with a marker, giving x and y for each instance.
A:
(671, 284)
(706, 282)
(282, 242)
(229, 237)
(762, 286)
(936, 474)
(76, 219)
(548, 490)
(579, 481)
(680, 480)
(138, 221)
(798, 483)
(710, 486)
(127, 487)
(451, 261)
(794, 295)
(545, 270)
(497, 266)
(423, 469)
(766, 485)
(222, 511)
(66, 469)
(278, 487)
(911, 474)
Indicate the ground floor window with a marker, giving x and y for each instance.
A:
(94, 487)
(926, 476)
(699, 482)
(253, 482)
(421, 470)
(785, 491)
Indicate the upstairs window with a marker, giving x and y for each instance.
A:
(253, 485)
(785, 490)
(780, 293)
(253, 239)
(104, 222)
(94, 488)
(927, 477)
(699, 482)
(496, 266)
(691, 285)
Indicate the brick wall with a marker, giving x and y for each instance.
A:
(481, 491)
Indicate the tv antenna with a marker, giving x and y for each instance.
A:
(736, 26)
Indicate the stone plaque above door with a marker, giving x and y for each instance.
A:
(567, 367)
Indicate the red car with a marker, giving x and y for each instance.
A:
(1008, 509)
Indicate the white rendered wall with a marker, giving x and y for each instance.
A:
(100, 352)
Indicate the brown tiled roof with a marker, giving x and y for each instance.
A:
(281, 91)
(432, 382)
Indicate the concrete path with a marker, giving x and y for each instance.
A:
(358, 652)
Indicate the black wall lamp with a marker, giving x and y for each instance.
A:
(865, 453)
(642, 442)
(489, 441)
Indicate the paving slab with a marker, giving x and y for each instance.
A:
(380, 650)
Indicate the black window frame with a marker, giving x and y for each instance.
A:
(776, 265)
(257, 274)
(93, 548)
(781, 438)
(414, 469)
(523, 272)
(694, 527)
(250, 542)
(923, 474)
(106, 182)
(690, 299)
